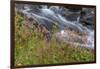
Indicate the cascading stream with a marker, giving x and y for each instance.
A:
(48, 17)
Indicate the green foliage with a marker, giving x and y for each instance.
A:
(30, 49)
(18, 27)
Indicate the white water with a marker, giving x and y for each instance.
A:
(90, 39)
(52, 17)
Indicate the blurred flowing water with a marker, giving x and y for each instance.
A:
(49, 15)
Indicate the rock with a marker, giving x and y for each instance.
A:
(70, 36)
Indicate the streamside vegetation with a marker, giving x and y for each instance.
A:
(34, 45)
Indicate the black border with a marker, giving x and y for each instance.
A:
(12, 29)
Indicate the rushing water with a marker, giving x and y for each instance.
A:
(54, 14)
(90, 39)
